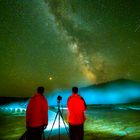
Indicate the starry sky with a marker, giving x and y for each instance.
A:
(62, 43)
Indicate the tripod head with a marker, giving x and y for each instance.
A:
(59, 98)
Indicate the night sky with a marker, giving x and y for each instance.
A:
(62, 43)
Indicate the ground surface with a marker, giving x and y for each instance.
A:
(102, 123)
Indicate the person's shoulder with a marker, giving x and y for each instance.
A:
(42, 97)
(81, 97)
(38, 97)
(70, 97)
(33, 97)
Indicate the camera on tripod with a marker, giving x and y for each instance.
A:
(59, 114)
(59, 98)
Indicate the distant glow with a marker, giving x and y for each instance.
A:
(15, 106)
(50, 78)
(114, 93)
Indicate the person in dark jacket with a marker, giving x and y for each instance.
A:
(76, 116)
(37, 115)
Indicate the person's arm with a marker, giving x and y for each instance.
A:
(85, 105)
(27, 115)
(45, 113)
(68, 103)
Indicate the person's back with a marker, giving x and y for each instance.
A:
(36, 115)
(76, 108)
(37, 110)
(76, 117)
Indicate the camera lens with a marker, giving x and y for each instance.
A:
(59, 98)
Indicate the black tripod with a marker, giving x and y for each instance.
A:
(59, 114)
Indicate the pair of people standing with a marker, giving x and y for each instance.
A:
(37, 115)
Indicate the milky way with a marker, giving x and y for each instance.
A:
(59, 44)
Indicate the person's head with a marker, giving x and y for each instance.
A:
(40, 90)
(75, 90)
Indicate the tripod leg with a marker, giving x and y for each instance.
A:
(52, 125)
(64, 124)
(59, 127)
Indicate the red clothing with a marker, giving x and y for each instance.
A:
(76, 107)
(37, 111)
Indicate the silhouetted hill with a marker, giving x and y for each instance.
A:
(118, 82)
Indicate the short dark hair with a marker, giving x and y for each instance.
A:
(40, 90)
(75, 89)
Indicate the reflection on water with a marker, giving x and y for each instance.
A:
(111, 122)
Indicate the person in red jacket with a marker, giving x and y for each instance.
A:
(37, 115)
(76, 117)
